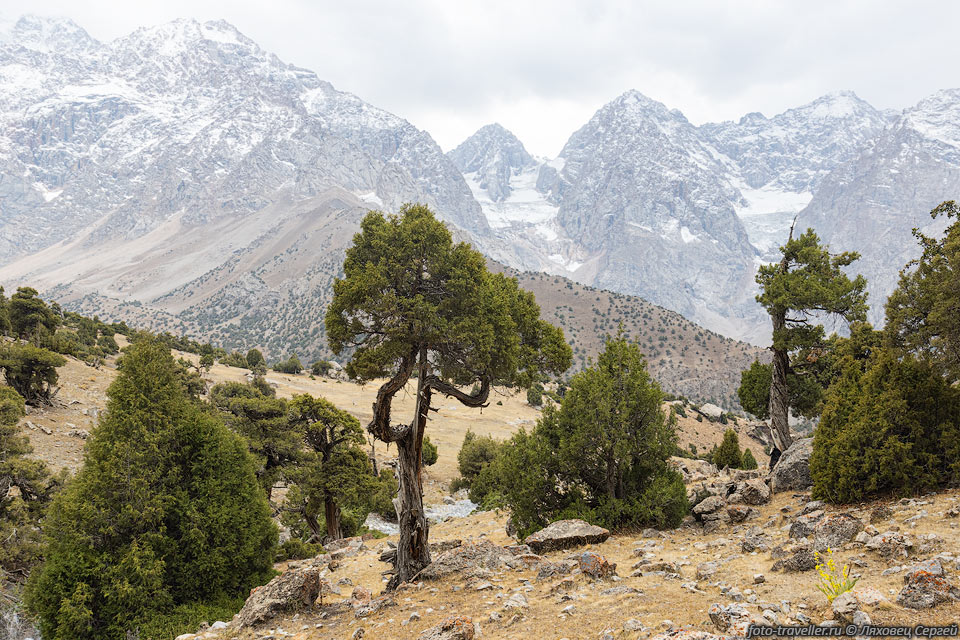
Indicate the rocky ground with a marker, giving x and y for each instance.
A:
(746, 556)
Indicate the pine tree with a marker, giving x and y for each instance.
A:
(274, 437)
(165, 511)
(748, 462)
(30, 370)
(602, 455)
(30, 317)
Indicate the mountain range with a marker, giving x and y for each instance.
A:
(187, 177)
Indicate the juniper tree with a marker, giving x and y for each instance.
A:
(336, 472)
(165, 512)
(807, 284)
(30, 370)
(923, 313)
(412, 302)
(30, 317)
(274, 438)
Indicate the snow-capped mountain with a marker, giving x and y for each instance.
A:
(871, 203)
(188, 120)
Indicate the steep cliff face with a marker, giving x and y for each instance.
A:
(871, 203)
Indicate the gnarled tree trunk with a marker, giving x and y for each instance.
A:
(779, 395)
(331, 513)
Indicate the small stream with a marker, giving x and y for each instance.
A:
(435, 513)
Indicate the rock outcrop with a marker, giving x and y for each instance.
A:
(792, 472)
(566, 534)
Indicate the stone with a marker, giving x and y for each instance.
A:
(844, 606)
(933, 566)
(868, 596)
(891, 544)
(566, 534)
(833, 531)
(470, 557)
(596, 566)
(722, 616)
(755, 492)
(925, 590)
(361, 595)
(516, 601)
(802, 559)
(738, 513)
(375, 605)
(792, 472)
(295, 589)
(805, 524)
(880, 513)
(759, 578)
(454, 628)
(755, 542)
(632, 625)
(709, 505)
(706, 570)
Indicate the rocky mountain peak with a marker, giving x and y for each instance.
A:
(493, 154)
(47, 35)
(937, 117)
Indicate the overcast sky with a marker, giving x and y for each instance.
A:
(541, 68)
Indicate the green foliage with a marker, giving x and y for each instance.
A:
(30, 317)
(274, 439)
(384, 491)
(754, 389)
(336, 474)
(889, 426)
(429, 452)
(809, 280)
(206, 362)
(728, 453)
(297, 549)
(321, 367)
(164, 513)
(290, 365)
(748, 462)
(235, 359)
(4, 314)
(535, 395)
(601, 456)
(20, 509)
(923, 313)
(475, 453)
(468, 319)
(30, 370)
(255, 359)
(186, 618)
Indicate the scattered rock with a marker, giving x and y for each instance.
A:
(470, 557)
(844, 606)
(925, 590)
(755, 492)
(802, 559)
(833, 531)
(792, 472)
(805, 524)
(706, 570)
(455, 628)
(891, 544)
(83, 434)
(709, 505)
(596, 566)
(294, 589)
(880, 513)
(566, 534)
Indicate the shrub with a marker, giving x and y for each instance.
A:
(165, 512)
(602, 455)
(297, 549)
(728, 453)
(30, 370)
(475, 453)
(748, 462)
(429, 453)
(321, 367)
(290, 365)
(893, 428)
(235, 359)
(535, 395)
(255, 358)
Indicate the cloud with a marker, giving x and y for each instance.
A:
(542, 68)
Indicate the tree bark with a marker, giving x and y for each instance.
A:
(779, 396)
(331, 512)
(413, 549)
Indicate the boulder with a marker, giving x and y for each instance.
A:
(739, 513)
(596, 566)
(933, 566)
(709, 505)
(711, 410)
(706, 570)
(891, 544)
(471, 557)
(725, 616)
(294, 589)
(454, 628)
(755, 492)
(844, 606)
(806, 524)
(801, 559)
(566, 534)
(792, 472)
(833, 531)
(925, 590)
